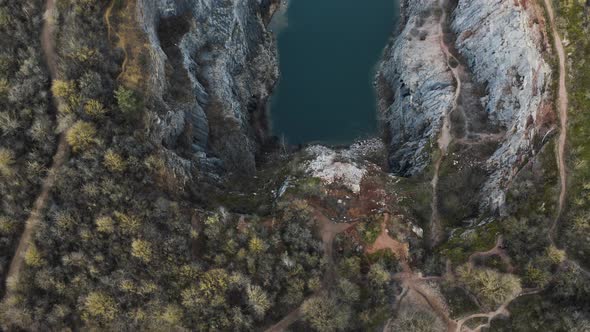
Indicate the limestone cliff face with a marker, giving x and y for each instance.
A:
(213, 68)
(503, 42)
(502, 45)
(416, 88)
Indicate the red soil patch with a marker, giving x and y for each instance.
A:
(385, 242)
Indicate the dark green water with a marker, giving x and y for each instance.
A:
(328, 51)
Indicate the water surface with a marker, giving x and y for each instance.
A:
(328, 51)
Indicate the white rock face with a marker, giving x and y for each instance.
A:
(333, 167)
(415, 72)
(502, 44)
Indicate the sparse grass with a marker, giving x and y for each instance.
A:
(573, 23)
(307, 186)
(415, 194)
(535, 190)
(459, 247)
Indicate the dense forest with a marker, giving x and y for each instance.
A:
(121, 240)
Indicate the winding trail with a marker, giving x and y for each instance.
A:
(490, 316)
(61, 155)
(284, 323)
(497, 250)
(107, 19)
(413, 284)
(562, 142)
(47, 43)
(445, 138)
(328, 232)
(562, 101)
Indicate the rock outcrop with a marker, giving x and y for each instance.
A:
(502, 44)
(213, 67)
(416, 88)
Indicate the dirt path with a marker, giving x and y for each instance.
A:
(47, 38)
(284, 323)
(490, 316)
(445, 138)
(61, 155)
(562, 101)
(384, 242)
(562, 142)
(328, 232)
(497, 250)
(414, 286)
(107, 19)
(502, 310)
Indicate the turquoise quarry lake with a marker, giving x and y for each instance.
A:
(328, 53)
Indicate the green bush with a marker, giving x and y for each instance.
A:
(4, 18)
(127, 100)
(491, 287)
(81, 136)
(95, 108)
(100, 306)
(142, 249)
(325, 314)
(6, 162)
(114, 162)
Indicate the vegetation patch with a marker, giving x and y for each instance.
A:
(573, 19)
(465, 242)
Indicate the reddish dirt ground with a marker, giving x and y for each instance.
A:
(385, 242)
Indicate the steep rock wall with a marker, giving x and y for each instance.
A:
(416, 88)
(213, 68)
(503, 42)
(503, 45)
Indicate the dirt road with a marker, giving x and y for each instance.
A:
(445, 137)
(61, 155)
(562, 102)
(47, 43)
